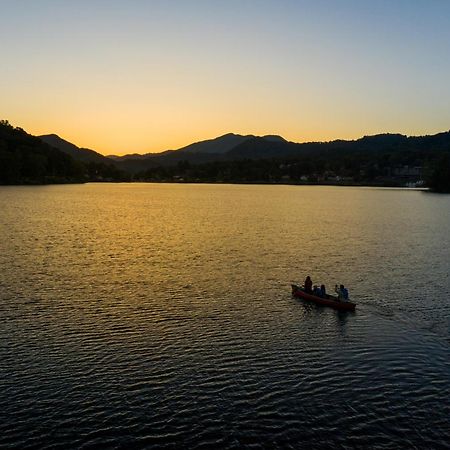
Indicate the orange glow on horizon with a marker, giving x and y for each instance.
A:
(140, 78)
(130, 142)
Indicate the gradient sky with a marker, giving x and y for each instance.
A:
(149, 75)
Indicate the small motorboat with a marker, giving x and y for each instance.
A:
(328, 300)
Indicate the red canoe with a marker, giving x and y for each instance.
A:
(329, 300)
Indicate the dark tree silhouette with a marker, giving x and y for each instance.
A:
(439, 179)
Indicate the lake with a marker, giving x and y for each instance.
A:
(161, 316)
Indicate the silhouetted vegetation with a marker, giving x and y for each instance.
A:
(26, 159)
(439, 178)
(382, 167)
(95, 171)
(382, 160)
(84, 155)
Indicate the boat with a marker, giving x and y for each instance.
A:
(328, 300)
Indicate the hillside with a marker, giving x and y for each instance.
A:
(381, 160)
(77, 153)
(233, 147)
(218, 146)
(26, 159)
(96, 166)
(217, 149)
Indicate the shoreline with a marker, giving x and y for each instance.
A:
(260, 183)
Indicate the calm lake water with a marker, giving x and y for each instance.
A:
(158, 315)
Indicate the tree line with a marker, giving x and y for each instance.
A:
(386, 160)
(378, 168)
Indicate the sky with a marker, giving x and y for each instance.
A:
(138, 76)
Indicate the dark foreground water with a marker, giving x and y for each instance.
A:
(160, 316)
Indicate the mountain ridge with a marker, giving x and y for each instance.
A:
(78, 153)
(217, 145)
(227, 143)
(230, 147)
(387, 159)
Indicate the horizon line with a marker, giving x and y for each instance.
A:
(245, 135)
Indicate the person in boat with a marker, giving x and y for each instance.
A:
(323, 291)
(317, 291)
(308, 284)
(342, 292)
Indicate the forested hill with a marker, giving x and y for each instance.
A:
(231, 147)
(26, 159)
(381, 160)
(79, 154)
(417, 147)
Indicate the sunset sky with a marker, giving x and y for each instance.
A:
(151, 75)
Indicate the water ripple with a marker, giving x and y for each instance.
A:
(168, 325)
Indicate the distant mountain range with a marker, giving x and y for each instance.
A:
(220, 148)
(218, 145)
(234, 147)
(380, 160)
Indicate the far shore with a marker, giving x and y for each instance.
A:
(262, 183)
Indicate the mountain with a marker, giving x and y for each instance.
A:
(218, 146)
(26, 159)
(210, 150)
(235, 147)
(274, 138)
(79, 154)
(385, 158)
(262, 147)
(388, 144)
(380, 160)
